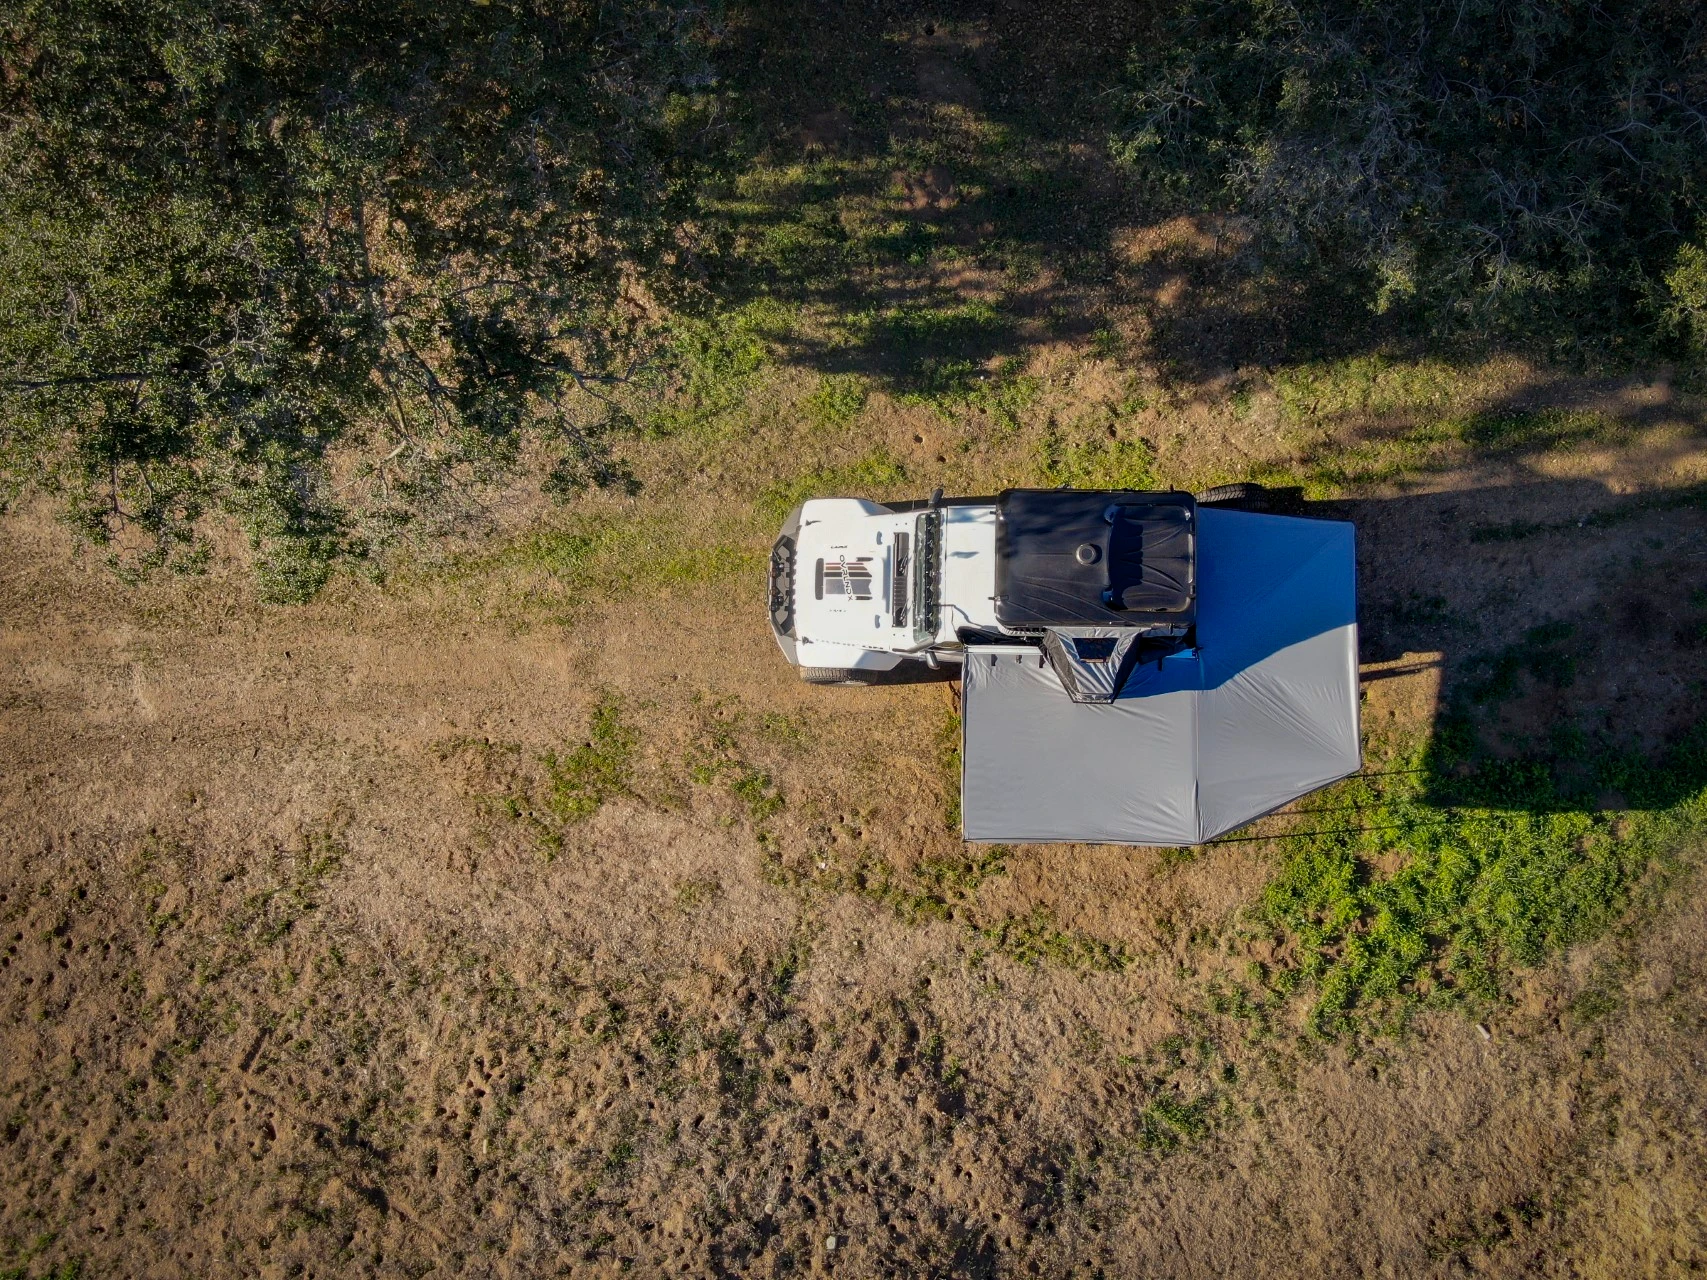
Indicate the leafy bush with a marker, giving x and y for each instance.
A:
(1686, 287)
(1516, 164)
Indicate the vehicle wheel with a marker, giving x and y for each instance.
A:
(834, 675)
(1247, 494)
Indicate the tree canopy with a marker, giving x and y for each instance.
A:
(1515, 165)
(327, 266)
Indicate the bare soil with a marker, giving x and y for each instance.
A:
(303, 974)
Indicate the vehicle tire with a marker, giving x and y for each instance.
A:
(834, 675)
(1247, 495)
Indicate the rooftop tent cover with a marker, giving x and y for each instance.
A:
(1073, 557)
(1264, 711)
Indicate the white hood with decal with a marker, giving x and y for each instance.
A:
(843, 579)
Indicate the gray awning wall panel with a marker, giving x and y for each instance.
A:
(1034, 757)
(1264, 712)
(1277, 731)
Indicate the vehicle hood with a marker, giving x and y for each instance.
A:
(844, 575)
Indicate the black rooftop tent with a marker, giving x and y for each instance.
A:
(1069, 557)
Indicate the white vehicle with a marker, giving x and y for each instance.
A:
(858, 588)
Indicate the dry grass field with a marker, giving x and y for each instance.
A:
(518, 913)
(523, 915)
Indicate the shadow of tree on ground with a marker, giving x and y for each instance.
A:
(939, 179)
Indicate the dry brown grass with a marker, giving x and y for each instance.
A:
(295, 985)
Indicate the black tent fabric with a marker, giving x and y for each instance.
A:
(1067, 557)
(1092, 663)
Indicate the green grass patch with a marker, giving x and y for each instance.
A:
(721, 754)
(580, 780)
(1337, 465)
(1095, 461)
(1365, 386)
(915, 326)
(1541, 654)
(571, 784)
(837, 401)
(711, 367)
(1424, 396)
(938, 888)
(1502, 862)
(876, 475)
(691, 894)
(1036, 939)
(71, 1269)
(1538, 430)
(1167, 1122)
(608, 554)
(1004, 396)
(799, 225)
(937, 354)
(267, 915)
(1333, 466)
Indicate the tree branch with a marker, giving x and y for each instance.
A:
(76, 380)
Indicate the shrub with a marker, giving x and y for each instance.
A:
(1686, 288)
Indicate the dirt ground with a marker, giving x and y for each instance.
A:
(313, 967)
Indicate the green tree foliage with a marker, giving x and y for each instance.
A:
(1531, 165)
(1686, 289)
(329, 267)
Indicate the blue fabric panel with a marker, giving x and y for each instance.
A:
(1265, 583)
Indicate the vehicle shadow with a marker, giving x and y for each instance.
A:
(909, 673)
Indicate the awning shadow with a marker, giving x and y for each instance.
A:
(1551, 637)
